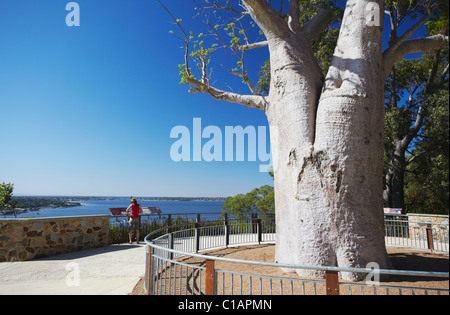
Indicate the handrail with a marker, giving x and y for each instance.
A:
(161, 266)
(319, 268)
(290, 266)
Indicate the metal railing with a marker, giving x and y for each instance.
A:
(118, 231)
(173, 265)
(401, 232)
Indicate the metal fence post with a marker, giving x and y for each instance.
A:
(227, 230)
(430, 236)
(169, 223)
(210, 282)
(259, 228)
(254, 220)
(332, 282)
(170, 244)
(197, 234)
(149, 270)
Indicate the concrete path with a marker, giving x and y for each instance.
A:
(113, 270)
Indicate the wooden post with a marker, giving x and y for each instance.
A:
(332, 282)
(430, 237)
(210, 275)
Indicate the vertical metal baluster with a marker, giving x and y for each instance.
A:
(232, 285)
(270, 284)
(240, 284)
(186, 280)
(175, 279)
(170, 276)
(260, 285)
(200, 282)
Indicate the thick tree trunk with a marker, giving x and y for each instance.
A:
(329, 196)
(326, 136)
(328, 178)
(295, 89)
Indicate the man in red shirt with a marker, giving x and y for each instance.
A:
(136, 209)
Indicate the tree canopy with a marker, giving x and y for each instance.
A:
(259, 200)
(6, 198)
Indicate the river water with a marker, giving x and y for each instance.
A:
(101, 207)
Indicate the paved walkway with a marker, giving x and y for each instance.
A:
(113, 270)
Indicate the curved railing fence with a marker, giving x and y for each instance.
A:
(400, 230)
(174, 265)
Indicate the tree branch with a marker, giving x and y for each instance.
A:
(317, 25)
(294, 16)
(253, 46)
(254, 101)
(186, 39)
(395, 43)
(267, 18)
(216, 6)
(202, 84)
(390, 57)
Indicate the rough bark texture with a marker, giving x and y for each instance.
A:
(329, 165)
(327, 135)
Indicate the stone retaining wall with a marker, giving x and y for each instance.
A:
(27, 239)
(418, 224)
(427, 218)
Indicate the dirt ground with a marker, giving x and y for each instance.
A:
(401, 259)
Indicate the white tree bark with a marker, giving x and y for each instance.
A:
(329, 147)
(328, 144)
(326, 134)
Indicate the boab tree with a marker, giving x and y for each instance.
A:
(326, 131)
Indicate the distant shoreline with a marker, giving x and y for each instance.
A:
(33, 204)
(72, 199)
(181, 198)
(84, 198)
(20, 210)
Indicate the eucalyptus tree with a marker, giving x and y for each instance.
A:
(327, 131)
(416, 92)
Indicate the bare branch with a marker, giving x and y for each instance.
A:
(247, 81)
(398, 41)
(390, 57)
(201, 59)
(267, 18)
(443, 74)
(254, 101)
(401, 46)
(317, 25)
(294, 16)
(186, 39)
(216, 6)
(253, 46)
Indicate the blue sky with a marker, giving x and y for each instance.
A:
(88, 110)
